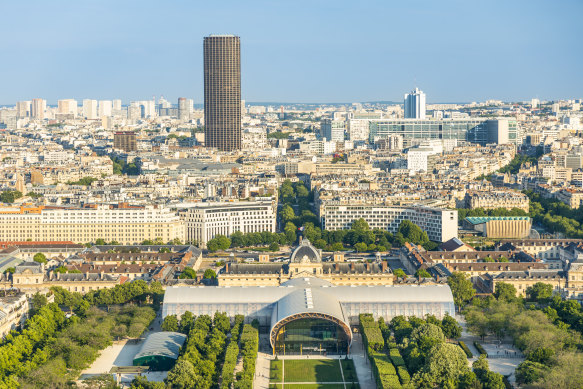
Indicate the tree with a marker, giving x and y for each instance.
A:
(141, 382)
(505, 291)
(413, 233)
(188, 273)
(540, 292)
(210, 274)
(399, 273)
(528, 372)
(445, 364)
(212, 245)
(450, 327)
(40, 258)
(273, 247)
(223, 243)
(238, 239)
(461, 288)
(287, 214)
(302, 191)
(38, 301)
(422, 273)
(186, 322)
(360, 247)
(481, 366)
(360, 225)
(338, 246)
(164, 250)
(427, 335)
(170, 323)
(290, 232)
(100, 242)
(183, 375)
(9, 196)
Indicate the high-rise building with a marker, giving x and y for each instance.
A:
(67, 106)
(39, 107)
(222, 92)
(23, 109)
(105, 108)
(90, 109)
(183, 109)
(125, 140)
(333, 130)
(117, 104)
(415, 105)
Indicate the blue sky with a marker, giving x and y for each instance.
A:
(294, 51)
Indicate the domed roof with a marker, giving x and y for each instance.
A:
(305, 253)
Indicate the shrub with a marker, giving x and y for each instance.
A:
(466, 349)
(480, 348)
(403, 375)
(396, 357)
(371, 333)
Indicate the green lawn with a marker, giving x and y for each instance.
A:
(349, 370)
(275, 371)
(312, 370)
(312, 373)
(312, 386)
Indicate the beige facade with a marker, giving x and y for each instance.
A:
(31, 277)
(571, 197)
(497, 199)
(511, 227)
(124, 224)
(305, 262)
(205, 221)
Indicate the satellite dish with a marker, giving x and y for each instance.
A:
(534, 234)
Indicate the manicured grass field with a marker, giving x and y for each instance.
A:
(312, 374)
(312, 370)
(349, 370)
(312, 386)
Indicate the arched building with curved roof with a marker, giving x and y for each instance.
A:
(309, 314)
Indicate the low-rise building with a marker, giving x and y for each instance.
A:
(206, 220)
(500, 226)
(497, 199)
(123, 223)
(306, 261)
(440, 224)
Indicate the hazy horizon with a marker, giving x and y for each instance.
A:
(318, 52)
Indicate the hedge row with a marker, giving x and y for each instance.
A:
(396, 357)
(480, 348)
(466, 349)
(403, 375)
(371, 333)
(249, 348)
(384, 371)
(231, 354)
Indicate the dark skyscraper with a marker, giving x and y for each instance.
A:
(222, 92)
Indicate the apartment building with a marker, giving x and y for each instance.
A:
(123, 223)
(440, 224)
(497, 199)
(205, 221)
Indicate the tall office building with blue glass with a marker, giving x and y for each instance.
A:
(415, 104)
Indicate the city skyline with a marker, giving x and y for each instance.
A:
(454, 51)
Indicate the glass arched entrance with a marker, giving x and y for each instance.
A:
(312, 334)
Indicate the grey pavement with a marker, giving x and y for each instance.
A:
(361, 364)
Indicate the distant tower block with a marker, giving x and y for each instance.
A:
(222, 92)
